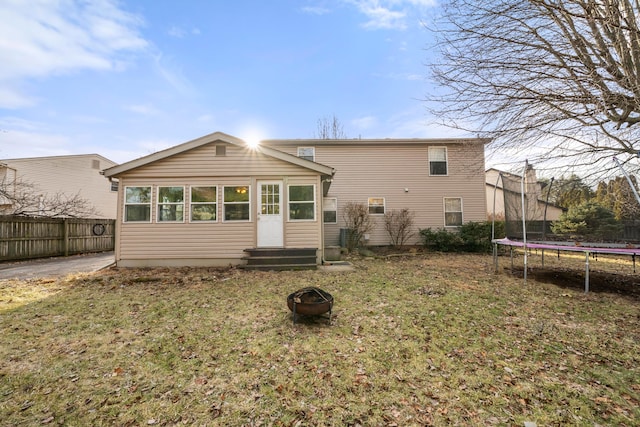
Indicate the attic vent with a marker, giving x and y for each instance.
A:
(221, 150)
(95, 164)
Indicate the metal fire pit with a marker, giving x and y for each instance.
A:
(310, 301)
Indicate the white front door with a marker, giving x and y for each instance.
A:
(270, 228)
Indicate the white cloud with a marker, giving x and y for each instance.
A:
(15, 144)
(181, 33)
(389, 14)
(13, 99)
(142, 109)
(364, 123)
(177, 32)
(40, 38)
(172, 73)
(315, 10)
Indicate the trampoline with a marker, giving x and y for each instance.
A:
(525, 219)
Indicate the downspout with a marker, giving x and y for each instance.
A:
(322, 181)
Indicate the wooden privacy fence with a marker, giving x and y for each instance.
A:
(24, 238)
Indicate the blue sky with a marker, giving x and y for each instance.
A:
(127, 78)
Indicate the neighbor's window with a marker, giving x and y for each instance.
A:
(236, 203)
(307, 153)
(114, 185)
(452, 211)
(376, 205)
(204, 203)
(437, 160)
(330, 210)
(170, 204)
(302, 202)
(137, 204)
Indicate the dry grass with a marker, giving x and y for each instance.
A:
(423, 340)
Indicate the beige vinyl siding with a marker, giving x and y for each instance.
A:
(386, 170)
(304, 234)
(209, 243)
(70, 175)
(203, 161)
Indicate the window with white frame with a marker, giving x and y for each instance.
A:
(204, 203)
(376, 205)
(438, 161)
(137, 204)
(330, 210)
(302, 202)
(452, 211)
(307, 153)
(236, 205)
(170, 204)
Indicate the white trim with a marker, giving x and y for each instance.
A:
(313, 155)
(446, 160)
(329, 210)
(217, 203)
(444, 212)
(125, 204)
(315, 204)
(384, 205)
(158, 204)
(236, 203)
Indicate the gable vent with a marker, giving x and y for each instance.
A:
(221, 150)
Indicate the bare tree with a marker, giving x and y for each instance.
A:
(330, 128)
(23, 198)
(358, 221)
(550, 79)
(399, 226)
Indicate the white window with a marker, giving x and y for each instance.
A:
(376, 205)
(307, 153)
(438, 161)
(330, 210)
(170, 204)
(137, 204)
(204, 203)
(452, 211)
(236, 203)
(302, 202)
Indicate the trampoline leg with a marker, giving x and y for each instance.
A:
(586, 274)
(495, 257)
(543, 257)
(511, 249)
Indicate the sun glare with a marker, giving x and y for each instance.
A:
(252, 139)
(253, 143)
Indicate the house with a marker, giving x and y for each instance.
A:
(439, 180)
(61, 175)
(207, 201)
(537, 211)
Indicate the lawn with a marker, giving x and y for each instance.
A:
(430, 339)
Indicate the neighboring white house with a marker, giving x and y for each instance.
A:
(534, 190)
(68, 175)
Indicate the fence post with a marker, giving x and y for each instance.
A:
(65, 224)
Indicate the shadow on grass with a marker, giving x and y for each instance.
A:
(599, 282)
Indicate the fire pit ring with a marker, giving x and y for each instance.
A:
(310, 301)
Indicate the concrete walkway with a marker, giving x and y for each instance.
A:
(56, 267)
